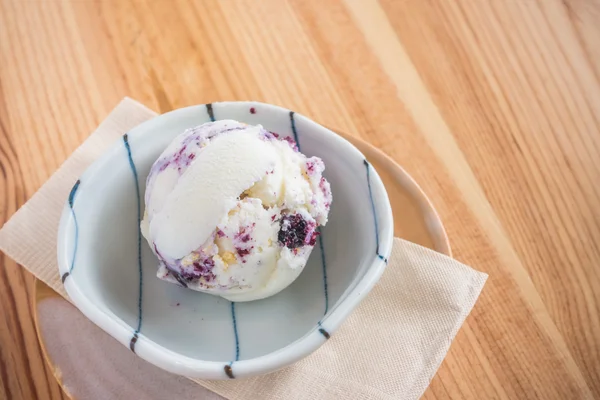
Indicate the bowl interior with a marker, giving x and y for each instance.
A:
(100, 245)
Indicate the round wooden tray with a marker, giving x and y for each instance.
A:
(88, 363)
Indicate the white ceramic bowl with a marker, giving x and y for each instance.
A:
(110, 273)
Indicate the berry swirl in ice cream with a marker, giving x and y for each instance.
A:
(233, 210)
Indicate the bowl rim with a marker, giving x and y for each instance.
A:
(172, 361)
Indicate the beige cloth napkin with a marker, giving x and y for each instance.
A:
(389, 348)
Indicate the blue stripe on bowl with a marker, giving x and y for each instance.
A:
(139, 242)
(294, 131)
(71, 201)
(324, 264)
(368, 168)
(229, 371)
(209, 110)
(235, 332)
(321, 246)
(323, 332)
(228, 367)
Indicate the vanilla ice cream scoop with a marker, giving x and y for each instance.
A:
(233, 210)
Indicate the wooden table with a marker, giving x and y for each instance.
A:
(492, 105)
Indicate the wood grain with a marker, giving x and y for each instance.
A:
(493, 106)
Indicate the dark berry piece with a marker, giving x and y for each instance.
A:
(202, 269)
(296, 232)
(243, 252)
(244, 234)
(312, 237)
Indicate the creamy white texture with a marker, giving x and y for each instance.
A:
(233, 211)
(208, 189)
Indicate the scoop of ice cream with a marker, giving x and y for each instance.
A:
(233, 210)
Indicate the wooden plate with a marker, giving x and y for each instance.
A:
(88, 363)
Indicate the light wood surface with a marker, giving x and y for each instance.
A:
(493, 106)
